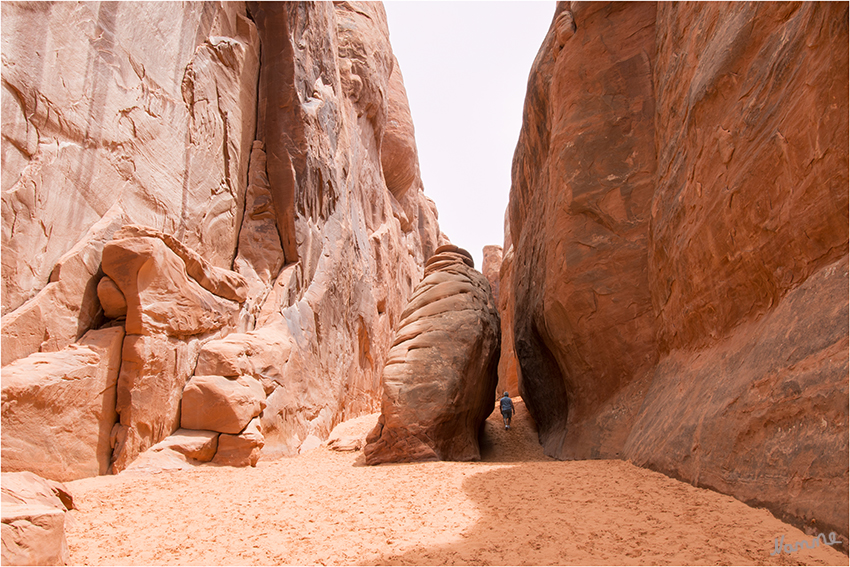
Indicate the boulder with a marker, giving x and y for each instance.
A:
(440, 376)
(351, 435)
(161, 297)
(33, 520)
(155, 462)
(192, 444)
(240, 450)
(217, 403)
(181, 450)
(218, 281)
(59, 408)
(111, 299)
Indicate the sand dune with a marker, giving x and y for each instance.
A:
(516, 507)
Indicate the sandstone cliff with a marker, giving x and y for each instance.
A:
(260, 159)
(676, 273)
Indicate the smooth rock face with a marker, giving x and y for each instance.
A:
(440, 377)
(59, 408)
(580, 214)
(770, 397)
(679, 231)
(221, 404)
(399, 161)
(33, 522)
(509, 368)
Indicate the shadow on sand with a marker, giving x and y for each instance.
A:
(533, 510)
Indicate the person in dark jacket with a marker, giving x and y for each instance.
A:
(507, 407)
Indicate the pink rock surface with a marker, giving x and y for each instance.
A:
(154, 370)
(492, 264)
(319, 237)
(33, 520)
(59, 408)
(509, 368)
(161, 297)
(193, 444)
(221, 404)
(240, 450)
(182, 450)
(111, 298)
(128, 132)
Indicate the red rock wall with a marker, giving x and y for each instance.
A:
(679, 230)
(583, 179)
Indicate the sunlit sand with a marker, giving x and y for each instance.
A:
(515, 507)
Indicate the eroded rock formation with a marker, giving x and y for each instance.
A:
(677, 266)
(241, 202)
(59, 408)
(440, 377)
(33, 521)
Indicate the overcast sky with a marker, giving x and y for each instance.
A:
(465, 68)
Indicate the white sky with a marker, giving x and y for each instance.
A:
(465, 68)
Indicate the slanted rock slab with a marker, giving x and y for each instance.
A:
(217, 403)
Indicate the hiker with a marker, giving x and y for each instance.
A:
(507, 407)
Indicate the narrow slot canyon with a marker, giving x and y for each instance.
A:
(239, 327)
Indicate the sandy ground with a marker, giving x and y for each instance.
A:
(516, 507)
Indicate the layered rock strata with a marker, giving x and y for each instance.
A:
(440, 375)
(679, 236)
(250, 186)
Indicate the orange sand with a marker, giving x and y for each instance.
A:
(516, 507)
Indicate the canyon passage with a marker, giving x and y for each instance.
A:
(226, 294)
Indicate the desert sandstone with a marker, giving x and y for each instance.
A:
(676, 275)
(246, 187)
(214, 251)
